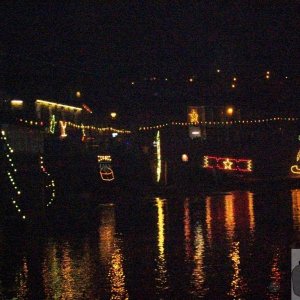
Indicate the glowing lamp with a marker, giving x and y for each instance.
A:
(229, 111)
(184, 158)
(113, 115)
(17, 104)
(78, 94)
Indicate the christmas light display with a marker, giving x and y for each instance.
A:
(31, 122)
(295, 169)
(158, 157)
(17, 104)
(50, 183)
(220, 123)
(10, 173)
(104, 158)
(106, 172)
(63, 126)
(194, 116)
(98, 129)
(226, 163)
(52, 124)
(59, 105)
(87, 108)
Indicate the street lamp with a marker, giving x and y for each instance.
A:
(113, 115)
(229, 111)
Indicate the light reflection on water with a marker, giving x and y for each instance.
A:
(22, 281)
(161, 269)
(296, 209)
(238, 286)
(111, 254)
(222, 246)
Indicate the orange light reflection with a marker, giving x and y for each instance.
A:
(187, 229)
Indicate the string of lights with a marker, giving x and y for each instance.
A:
(32, 123)
(99, 129)
(218, 123)
(77, 126)
(10, 173)
(232, 79)
(173, 123)
(50, 184)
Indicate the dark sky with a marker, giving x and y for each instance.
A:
(53, 48)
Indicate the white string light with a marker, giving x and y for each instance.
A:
(51, 182)
(10, 173)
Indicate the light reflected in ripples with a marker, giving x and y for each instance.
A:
(117, 276)
(161, 278)
(229, 216)
(66, 270)
(187, 229)
(238, 286)
(296, 208)
(52, 274)
(251, 212)
(107, 230)
(275, 277)
(198, 275)
(208, 219)
(67, 276)
(22, 281)
(111, 254)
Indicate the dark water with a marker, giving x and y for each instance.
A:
(220, 246)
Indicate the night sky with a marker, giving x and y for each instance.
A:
(51, 50)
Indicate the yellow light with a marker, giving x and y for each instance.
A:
(113, 115)
(78, 94)
(48, 103)
(184, 158)
(205, 165)
(233, 85)
(191, 79)
(194, 116)
(63, 126)
(16, 103)
(234, 78)
(227, 164)
(106, 158)
(229, 111)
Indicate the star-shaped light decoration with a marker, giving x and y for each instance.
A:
(227, 164)
(194, 116)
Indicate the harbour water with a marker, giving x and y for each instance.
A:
(233, 245)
